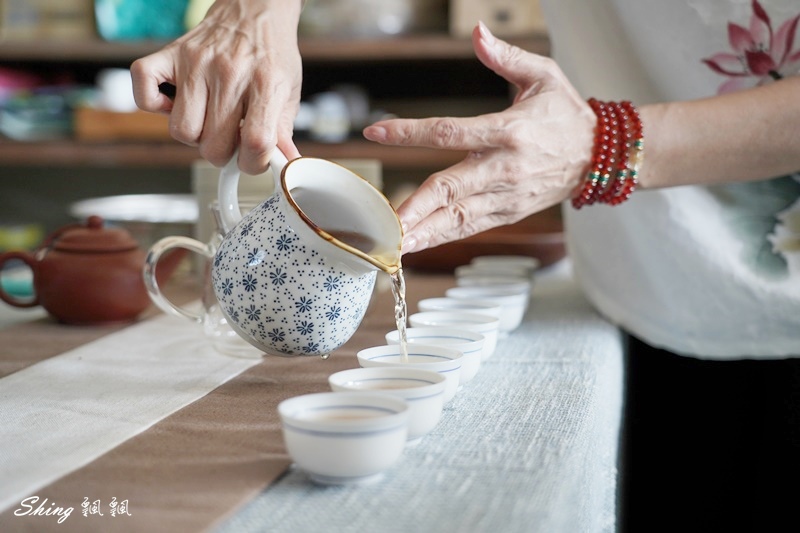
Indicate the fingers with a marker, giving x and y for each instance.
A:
(439, 190)
(147, 74)
(252, 113)
(188, 110)
(219, 131)
(269, 116)
(525, 70)
(237, 78)
(452, 133)
(457, 221)
(450, 201)
(287, 146)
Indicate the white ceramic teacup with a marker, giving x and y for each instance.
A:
(459, 305)
(344, 437)
(470, 343)
(496, 280)
(422, 389)
(486, 325)
(510, 272)
(513, 301)
(526, 262)
(441, 359)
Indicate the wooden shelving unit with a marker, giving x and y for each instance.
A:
(412, 47)
(69, 153)
(420, 49)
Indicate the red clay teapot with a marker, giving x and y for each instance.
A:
(88, 274)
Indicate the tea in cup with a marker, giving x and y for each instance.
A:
(470, 343)
(512, 297)
(447, 361)
(488, 326)
(422, 389)
(342, 438)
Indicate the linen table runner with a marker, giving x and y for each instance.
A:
(64, 412)
(146, 414)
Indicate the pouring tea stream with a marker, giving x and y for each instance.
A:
(295, 275)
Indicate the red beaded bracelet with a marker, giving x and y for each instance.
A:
(617, 155)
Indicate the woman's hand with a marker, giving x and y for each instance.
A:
(237, 76)
(521, 160)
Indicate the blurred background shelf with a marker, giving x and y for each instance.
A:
(410, 47)
(438, 74)
(414, 73)
(69, 153)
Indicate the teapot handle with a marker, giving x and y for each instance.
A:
(151, 279)
(31, 262)
(228, 188)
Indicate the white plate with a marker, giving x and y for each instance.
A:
(157, 208)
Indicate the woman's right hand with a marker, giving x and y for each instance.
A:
(237, 77)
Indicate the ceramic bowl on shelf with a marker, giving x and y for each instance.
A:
(470, 343)
(344, 437)
(148, 217)
(441, 359)
(422, 389)
(488, 326)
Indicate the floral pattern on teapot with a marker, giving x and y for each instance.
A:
(281, 294)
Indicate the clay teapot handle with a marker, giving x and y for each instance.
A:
(29, 260)
(228, 189)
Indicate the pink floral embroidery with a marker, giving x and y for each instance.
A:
(759, 54)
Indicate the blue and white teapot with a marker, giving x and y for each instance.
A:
(295, 275)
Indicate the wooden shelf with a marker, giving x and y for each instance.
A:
(90, 51)
(336, 52)
(416, 47)
(391, 157)
(412, 47)
(68, 153)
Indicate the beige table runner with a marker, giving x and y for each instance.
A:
(66, 411)
(200, 464)
(27, 343)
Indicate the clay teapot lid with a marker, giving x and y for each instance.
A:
(93, 238)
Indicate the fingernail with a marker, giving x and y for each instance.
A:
(485, 33)
(409, 245)
(375, 133)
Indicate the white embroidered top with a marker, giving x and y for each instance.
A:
(711, 272)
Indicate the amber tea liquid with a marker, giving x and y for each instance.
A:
(366, 244)
(359, 241)
(400, 311)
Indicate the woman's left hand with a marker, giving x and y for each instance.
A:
(521, 160)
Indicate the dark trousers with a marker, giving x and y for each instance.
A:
(709, 446)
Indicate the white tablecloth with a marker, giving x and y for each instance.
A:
(529, 445)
